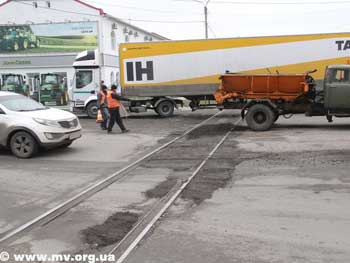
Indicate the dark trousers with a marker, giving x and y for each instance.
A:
(115, 117)
(105, 117)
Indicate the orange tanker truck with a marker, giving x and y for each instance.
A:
(262, 98)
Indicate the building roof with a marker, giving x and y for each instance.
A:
(102, 13)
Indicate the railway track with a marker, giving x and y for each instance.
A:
(92, 190)
(124, 248)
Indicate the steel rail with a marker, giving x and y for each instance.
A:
(91, 190)
(168, 202)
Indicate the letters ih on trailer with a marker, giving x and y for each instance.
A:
(155, 74)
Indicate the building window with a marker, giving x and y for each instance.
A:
(127, 38)
(35, 4)
(113, 40)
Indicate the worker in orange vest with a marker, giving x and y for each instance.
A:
(102, 104)
(113, 100)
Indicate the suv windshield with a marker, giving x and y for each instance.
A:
(20, 103)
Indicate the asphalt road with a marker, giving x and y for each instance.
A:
(275, 196)
(31, 187)
(288, 201)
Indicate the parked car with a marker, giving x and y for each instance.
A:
(26, 125)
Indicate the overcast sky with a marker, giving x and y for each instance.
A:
(233, 19)
(182, 19)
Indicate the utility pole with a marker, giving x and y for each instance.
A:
(206, 21)
(205, 4)
(206, 17)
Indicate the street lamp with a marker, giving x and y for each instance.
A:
(205, 3)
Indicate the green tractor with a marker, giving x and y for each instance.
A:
(53, 89)
(14, 83)
(15, 38)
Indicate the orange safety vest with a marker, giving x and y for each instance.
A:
(103, 97)
(112, 103)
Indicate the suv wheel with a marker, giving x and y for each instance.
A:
(23, 145)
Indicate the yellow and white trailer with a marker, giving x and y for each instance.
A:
(191, 68)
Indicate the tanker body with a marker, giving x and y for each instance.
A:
(263, 98)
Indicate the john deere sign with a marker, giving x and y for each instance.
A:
(48, 38)
(17, 62)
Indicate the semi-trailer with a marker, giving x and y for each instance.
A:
(262, 98)
(155, 72)
(158, 75)
(91, 71)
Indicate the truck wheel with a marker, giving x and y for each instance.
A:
(15, 46)
(23, 145)
(91, 110)
(260, 117)
(25, 44)
(37, 43)
(165, 109)
(66, 99)
(58, 99)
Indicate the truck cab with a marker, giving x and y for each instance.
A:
(84, 87)
(337, 90)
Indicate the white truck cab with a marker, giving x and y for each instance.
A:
(91, 70)
(85, 84)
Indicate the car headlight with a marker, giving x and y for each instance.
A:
(47, 122)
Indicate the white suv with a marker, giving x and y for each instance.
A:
(26, 125)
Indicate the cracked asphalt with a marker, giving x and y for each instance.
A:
(276, 196)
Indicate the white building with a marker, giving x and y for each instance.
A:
(53, 17)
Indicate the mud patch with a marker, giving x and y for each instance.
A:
(111, 231)
(207, 182)
(162, 188)
(210, 130)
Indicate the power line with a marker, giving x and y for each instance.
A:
(132, 7)
(158, 11)
(165, 21)
(135, 20)
(279, 3)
